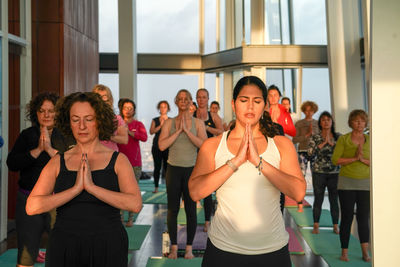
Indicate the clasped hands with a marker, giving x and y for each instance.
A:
(247, 149)
(84, 179)
(181, 126)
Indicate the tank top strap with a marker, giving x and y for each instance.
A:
(113, 159)
(62, 162)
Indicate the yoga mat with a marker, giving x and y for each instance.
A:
(9, 259)
(126, 216)
(305, 218)
(294, 245)
(179, 262)
(155, 198)
(182, 216)
(333, 260)
(200, 239)
(293, 204)
(327, 242)
(136, 235)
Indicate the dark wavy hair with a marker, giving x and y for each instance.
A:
(34, 106)
(329, 115)
(274, 87)
(267, 127)
(105, 117)
(165, 102)
(121, 104)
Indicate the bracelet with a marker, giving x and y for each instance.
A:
(231, 165)
(259, 166)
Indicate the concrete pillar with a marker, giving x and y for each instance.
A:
(228, 90)
(257, 23)
(385, 128)
(127, 56)
(346, 80)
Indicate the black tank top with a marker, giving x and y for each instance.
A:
(209, 123)
(86, 214)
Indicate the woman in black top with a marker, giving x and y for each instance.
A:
(88, 185)
(32, 150)
(159, 157)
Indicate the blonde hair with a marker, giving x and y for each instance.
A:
(103, 88)
(188, 94)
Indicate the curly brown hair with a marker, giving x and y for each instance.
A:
(105, 117)
(312, 104)
(36, 103)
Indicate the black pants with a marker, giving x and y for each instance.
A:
(160, 159)
(348, 198)
(214, 257)
(208, 207)
(177, 179)
(29, 231)
(320, 181)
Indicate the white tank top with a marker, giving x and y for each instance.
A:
(248, 219)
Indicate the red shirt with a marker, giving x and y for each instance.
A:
(132, 149)
(285, 120)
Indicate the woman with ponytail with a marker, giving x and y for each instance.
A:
(248, 167)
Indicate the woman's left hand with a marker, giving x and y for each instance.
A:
(252, 151)
(87, 174)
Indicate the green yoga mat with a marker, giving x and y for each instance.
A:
(155, 198)
(327, 242)
(9, 259)
(136, 235)
(305, 218)
(179, 262)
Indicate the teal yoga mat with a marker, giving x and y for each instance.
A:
(305, 218)
(355, 260)
(180, 262)
(327, 242)
(155, 198)
(9, 259)
(136, 235)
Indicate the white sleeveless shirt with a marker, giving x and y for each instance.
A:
(248, 219)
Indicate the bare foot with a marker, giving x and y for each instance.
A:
(155, 190)
(336, 229)
(315, 228)
(173, 252)
(188, 253)
(300, 208)
(365, 254)
(129, 223)
(344, 256)
(206, 225)
(198, 205)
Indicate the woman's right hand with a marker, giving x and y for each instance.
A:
(79, 185)
(242, 154)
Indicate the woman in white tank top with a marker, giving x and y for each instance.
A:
(248, 167)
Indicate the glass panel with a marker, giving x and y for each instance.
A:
(108, 26)
(316, 88)
(153, 88)
(247, 21)
(210, 21)
(167, 26)
(209, 84)
(272, 22)
(112, 81)
(309, 20)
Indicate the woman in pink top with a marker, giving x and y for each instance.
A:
(137, 132)
(120, 136)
